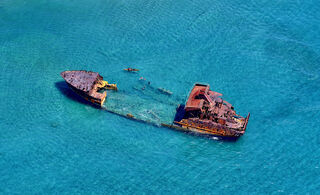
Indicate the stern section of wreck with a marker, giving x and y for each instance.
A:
(87, 84)
(206, 113)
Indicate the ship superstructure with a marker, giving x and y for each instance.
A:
(205, 112)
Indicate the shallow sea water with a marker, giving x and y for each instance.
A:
(262, 55)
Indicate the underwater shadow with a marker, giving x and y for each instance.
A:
(63, 87)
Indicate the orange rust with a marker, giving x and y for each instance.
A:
(206, 112)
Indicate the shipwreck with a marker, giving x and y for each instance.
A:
(204, 113)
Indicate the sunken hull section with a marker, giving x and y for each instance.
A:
(96, 101)
(86, 84)
(207, 114)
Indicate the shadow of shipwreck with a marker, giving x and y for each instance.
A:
(63, 87)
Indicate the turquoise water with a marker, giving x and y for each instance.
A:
(262, 55)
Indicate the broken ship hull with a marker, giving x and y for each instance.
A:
(204, 114)
(86, 84)
(95, 101)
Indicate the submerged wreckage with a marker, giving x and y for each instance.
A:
(205, 112)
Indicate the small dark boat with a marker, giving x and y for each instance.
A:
(131, 69)
(206, 113)
(87, 84)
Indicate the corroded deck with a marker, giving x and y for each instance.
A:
(86, 84)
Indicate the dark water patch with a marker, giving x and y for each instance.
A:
(54, 125)
(66, 91)
(289, 49)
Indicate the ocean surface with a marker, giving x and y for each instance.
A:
(264, 56)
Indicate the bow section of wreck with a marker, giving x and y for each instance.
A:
(205, 112)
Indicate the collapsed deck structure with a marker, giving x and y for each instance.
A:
(205, 112)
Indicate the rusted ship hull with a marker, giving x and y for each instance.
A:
(197, 132)
(95, 101)
(87, 84)
(220, 132)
